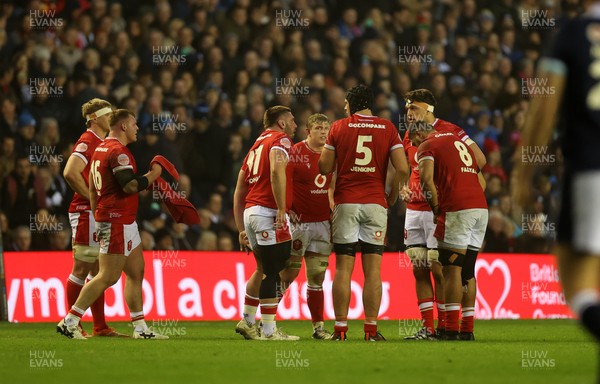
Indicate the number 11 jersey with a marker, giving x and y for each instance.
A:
(257, 167)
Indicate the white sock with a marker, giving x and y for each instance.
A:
(269, 324)
(139, 325)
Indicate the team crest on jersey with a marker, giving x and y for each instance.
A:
(286, 143)
(265, 235)
(123, 159)
(129, 244)
(297, 245)
(378, 234)
(81, 147)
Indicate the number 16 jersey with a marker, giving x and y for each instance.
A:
(362, 145)
(114, 205)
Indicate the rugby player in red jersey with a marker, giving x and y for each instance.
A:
(262, 197)
(450, 182)
(421, 245)
(311, 230)
(83, 225)
(114, 201)
(359, 148)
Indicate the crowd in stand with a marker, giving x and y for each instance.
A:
(199, 74)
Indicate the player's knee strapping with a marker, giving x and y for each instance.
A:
(417, 254)
(368, 248)
(345, 249)
(315, 268)
(449, 257)
(468, 271)
(433, 255)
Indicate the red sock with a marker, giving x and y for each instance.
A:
(251, 301)
(452, 315)
(426, 308)
(340, 326)
(314, 299)
(98, 313)
(468, 319)
(441, 311)
(73, 290)
(370, 328)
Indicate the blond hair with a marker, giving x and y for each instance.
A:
(92, 106)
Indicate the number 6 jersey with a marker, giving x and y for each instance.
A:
(257, 167)
(114, 205)
(362, 145)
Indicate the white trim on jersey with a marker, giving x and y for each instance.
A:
(330, 147)
(281, 149)
(80, 156)
(426, 158)
(396, 146)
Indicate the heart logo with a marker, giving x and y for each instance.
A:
(485, 310)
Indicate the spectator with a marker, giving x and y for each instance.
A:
(21, 240)
(22, 193)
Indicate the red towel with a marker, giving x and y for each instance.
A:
(181, 210)
(166, 165)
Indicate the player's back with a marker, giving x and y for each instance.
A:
(114, 205)
(577, 45)
(311, 199)
(455, 172)
(257, 167)
(84, 149)
(362, 145)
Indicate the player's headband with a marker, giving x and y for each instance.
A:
(98, 113)
(429, 107)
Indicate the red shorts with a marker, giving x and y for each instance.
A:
(118, 239)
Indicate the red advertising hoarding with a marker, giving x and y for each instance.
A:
(185, 285)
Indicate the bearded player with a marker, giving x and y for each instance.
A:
(451, 186)
(421, 245)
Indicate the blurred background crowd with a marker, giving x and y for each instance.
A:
(199, 74)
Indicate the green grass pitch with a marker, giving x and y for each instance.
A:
(506, 351)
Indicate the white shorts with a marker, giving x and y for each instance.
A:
(259, 224)
(84, 241)
(419, 228)
(311, 237)
(118, 239)
(354, 222)
(461, 229)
